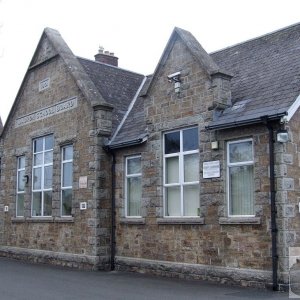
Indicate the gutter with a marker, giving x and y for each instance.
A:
(134, 142)
(245, 122)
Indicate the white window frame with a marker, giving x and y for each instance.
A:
(62, 176)
(19, 170)
(42, 166)
(127, 176)
(229, 165)
(181, 182)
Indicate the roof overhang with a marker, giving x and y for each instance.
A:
(129, 143)
(234, 124)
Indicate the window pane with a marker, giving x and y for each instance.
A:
(48, 177)
(239, 152)
(133, 165)
(48, 203)
(172, 169)
(191, 200)
(48, 157)
(241, 190)
(172, 142)
(21, 182)
(49, 142)
(191, 167)
(37, 178)
(21, 162)
(38, 145)
(66, 202)
(20, 205)
(134, 194)
(38, 159)
(190, 139)
(67, 174)
(68, 153)
(36, 204)
(173, 201)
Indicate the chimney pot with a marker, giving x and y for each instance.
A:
(101, 49)
(106, 57)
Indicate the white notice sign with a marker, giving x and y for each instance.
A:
(83, 182)
(211, 169)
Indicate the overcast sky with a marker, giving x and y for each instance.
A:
(135, 30)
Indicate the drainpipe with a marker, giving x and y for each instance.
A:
(273, 207)
(113, 212)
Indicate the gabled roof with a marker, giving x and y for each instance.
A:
(266, 78)
(61, 49)
(265, 82)
(197, 51)
(86, 85)
(117, 86)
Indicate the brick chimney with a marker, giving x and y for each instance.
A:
(106, 57)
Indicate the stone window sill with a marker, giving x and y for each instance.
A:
(181, 221)
(137, 221)
(239, 220)
(43, 220)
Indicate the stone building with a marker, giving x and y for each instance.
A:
(190, 172)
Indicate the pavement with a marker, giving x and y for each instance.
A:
(23, 281)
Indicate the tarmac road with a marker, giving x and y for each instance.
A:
(24, 281)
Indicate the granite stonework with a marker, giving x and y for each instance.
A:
(108, 114)
(62, 110)
(216, 247)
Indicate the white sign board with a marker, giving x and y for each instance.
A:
(83, 182)
(211, 169)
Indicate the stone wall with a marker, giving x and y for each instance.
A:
(1, 195)
(86, 233)
(288, 195)
(213, 242)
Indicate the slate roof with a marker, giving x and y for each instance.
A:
(82, 80)
(117, 86)
(265, 82)
(266, 77)
(134, 127)
(1, 125)
(76, 70)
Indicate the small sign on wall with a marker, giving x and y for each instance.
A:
(44, 84)
(211, 169)
(83, 182)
